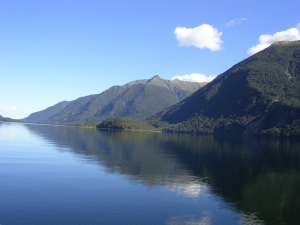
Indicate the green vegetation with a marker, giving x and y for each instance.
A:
(292, 130)
(40, 116)
(136, 100)
(258, 96)
(289, 130)
(272, 132)
(125, 124)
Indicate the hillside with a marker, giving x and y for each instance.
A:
(7, 119)
(46, 113)
(136, 100)
(123, 123)
(258, 96)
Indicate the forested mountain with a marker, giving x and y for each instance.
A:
(260, 95)
(136, 100)
(46, 113)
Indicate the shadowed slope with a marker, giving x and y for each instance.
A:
(251, 92)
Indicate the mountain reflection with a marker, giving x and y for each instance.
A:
(260, 178)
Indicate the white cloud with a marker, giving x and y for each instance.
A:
(204, 36)
(265, 40)
(10, 108)
(194, 77)
(235, 22)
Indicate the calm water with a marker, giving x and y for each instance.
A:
(65, 175)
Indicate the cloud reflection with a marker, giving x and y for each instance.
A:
(189, 186)
(251, 219)
(206, 219)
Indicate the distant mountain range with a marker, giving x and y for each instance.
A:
(138, 99)
(258, 96)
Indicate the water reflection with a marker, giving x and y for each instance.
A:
(258, 178)
(206, 219)
(251, 219)
(189, 186)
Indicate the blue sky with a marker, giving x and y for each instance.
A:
(55, 50)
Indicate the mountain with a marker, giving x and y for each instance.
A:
(258, 96)
(7, 119)
(46, 113)
(136, 100)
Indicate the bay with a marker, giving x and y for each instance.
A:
(70, 175)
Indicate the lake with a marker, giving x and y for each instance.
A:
(69, 175)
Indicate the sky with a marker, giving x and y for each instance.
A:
(55, 50)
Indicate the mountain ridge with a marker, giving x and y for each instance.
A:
(46, 113)
(135, 100)
(252, 89)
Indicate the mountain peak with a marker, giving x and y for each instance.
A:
(137, 99)
(155, 77)
(177, 81)
(156, 80)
